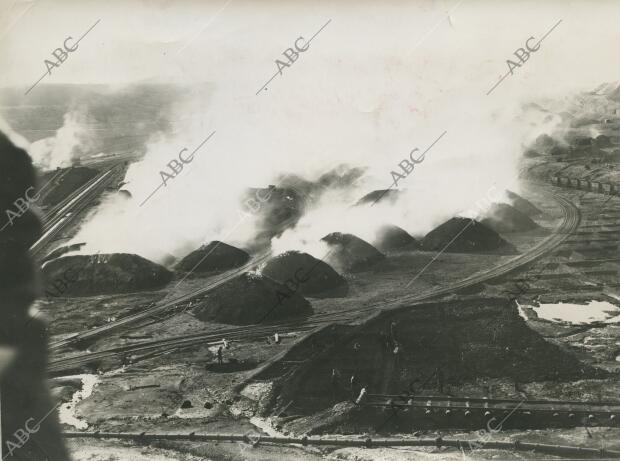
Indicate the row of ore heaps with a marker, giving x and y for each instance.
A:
(279, 288)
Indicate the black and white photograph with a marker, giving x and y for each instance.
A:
(256, 230)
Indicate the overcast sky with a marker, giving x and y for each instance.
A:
(380, 79)
(233, 39)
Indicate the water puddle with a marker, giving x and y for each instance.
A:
(66, 412)
(578, 314)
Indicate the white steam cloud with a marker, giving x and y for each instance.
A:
(203, 202)
(61, 150)
(370, 88)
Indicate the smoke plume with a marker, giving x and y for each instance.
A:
(70, 142)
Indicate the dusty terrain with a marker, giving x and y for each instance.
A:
(491, 339)
(147, 392)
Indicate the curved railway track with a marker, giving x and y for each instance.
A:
(463, 445)
(595, 413)
(65, 212)
(569, 223)
(157, 309)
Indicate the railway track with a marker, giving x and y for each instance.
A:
(64, 213)
(55, 209)
(592, 413)
(45, 191)
(570, 222)
(158, 309)
(464, 445)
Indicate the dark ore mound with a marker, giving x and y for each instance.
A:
(315, 278)
(90, 275)
(250, 299)
(602, 141)
(467, 339)
(380, 195)
(544, 143)
(350, 253)
(523, 205)
(458, 235)
(582, 141)
(58, 252)
(502, 217)
(392, 237)
(215, 256)
(276, 208)
(559, 150)
(340, 177)
(64, 182)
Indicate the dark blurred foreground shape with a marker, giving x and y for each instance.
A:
(30, 428)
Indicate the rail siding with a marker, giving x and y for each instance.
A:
(560, 450)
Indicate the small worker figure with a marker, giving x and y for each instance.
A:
(276, 338)
(390, 403)
(362, 396)
(385, 340)
(356, 347)
(334, 382)
(353, 386)
(393, 330)
(439, 376)
(486, 390)
(219, 355)
(396, 352)
(225, 343)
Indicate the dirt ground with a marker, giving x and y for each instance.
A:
(150, 393)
